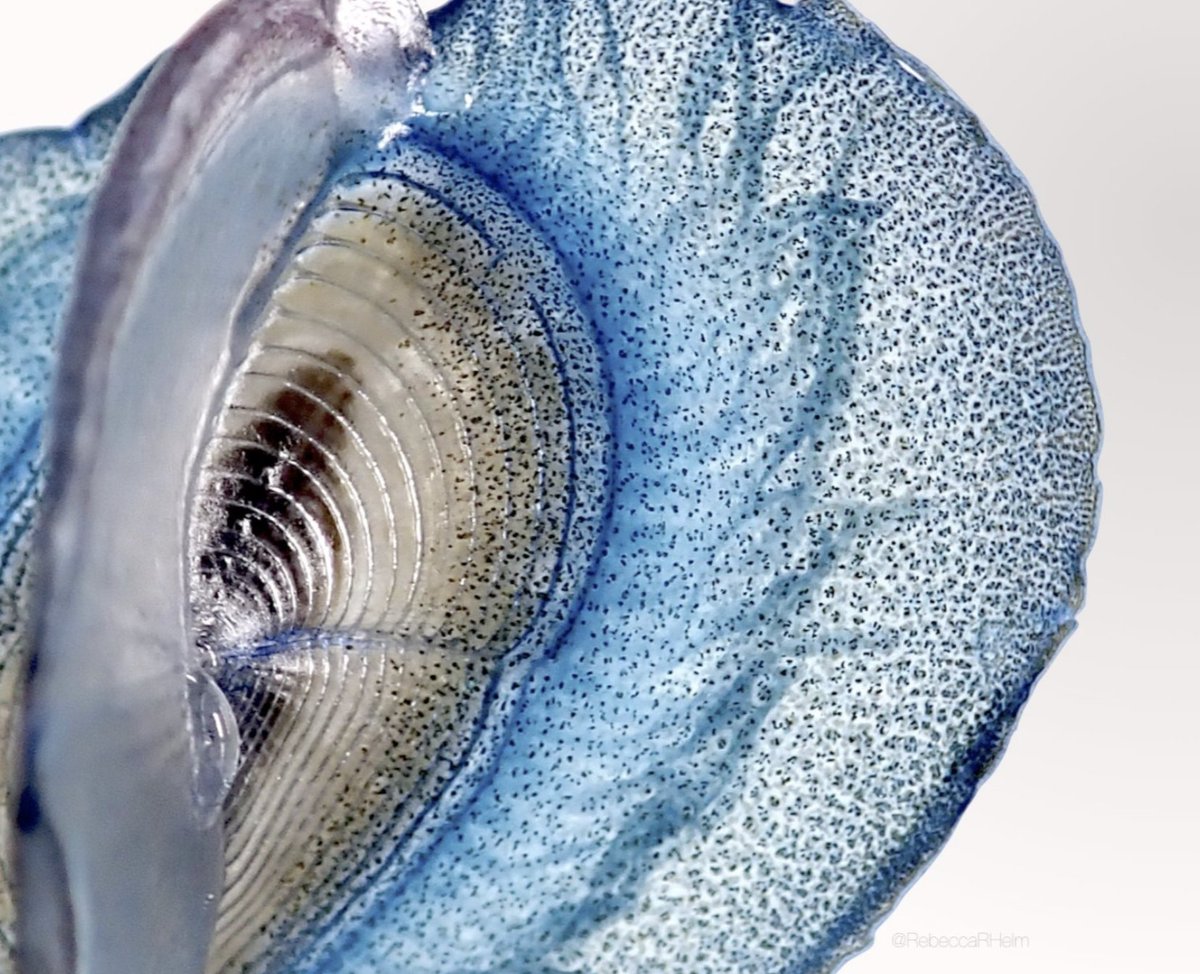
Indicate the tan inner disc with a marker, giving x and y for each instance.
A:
(385, 491)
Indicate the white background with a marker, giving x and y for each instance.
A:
(1084, 840)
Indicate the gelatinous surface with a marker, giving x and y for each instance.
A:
(122, 868)
(46, 179)
(635, 496)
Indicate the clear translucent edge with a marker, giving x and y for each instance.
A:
(864, 937)
(858, 929)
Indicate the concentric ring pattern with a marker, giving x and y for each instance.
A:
(402, 486)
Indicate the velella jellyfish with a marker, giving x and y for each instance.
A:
(549, 487)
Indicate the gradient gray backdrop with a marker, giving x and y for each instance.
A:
(1083, 842)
